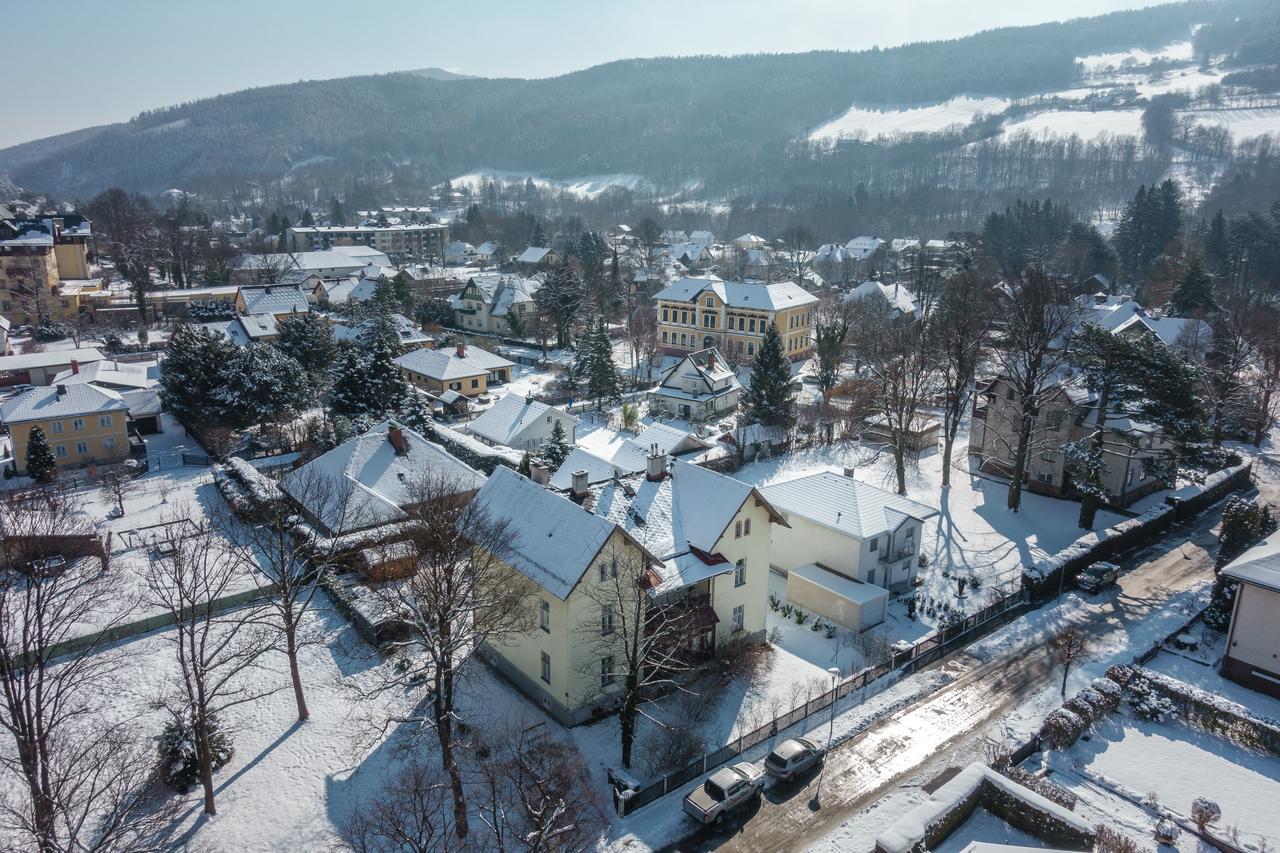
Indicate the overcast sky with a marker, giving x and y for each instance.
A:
(76, 63)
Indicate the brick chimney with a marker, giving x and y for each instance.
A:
(579, 488)
(395, 435)
(75, 367)
(462, 350)
(539, 473)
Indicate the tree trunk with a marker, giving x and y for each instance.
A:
(291, 649)
(1218, 408)
(1020, 461)
(204, 755)
(1066, 670)
(900, 465)
(627, 717)
(442, 711)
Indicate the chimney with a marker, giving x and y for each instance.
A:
(395, 435)
(529, 399)
(579, 487)
(75, 367)
(848, 472)
(539, 472)
(61, 390)
(655, 464)
(462, 350)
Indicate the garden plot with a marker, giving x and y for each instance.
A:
(1171, 765)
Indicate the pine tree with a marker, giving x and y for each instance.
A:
(337, 216)
(602, 374)
(385, 384)
(526, 465)
(41, 465)
(414, 412)
(308, 339)
(348, 396)
(195, 368)
(1194, 296)
(538, 237)
(769, 400)
(557, 449)
(262, 386)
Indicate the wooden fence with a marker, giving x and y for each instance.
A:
(920, 655)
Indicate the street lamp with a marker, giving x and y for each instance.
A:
(816, 802)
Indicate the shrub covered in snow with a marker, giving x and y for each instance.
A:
(1062, 728)
(1204, 812)
(1042, 786)
(1148, 704)
(1109, 691)
(249, 492)
(209, 310)
(475, 453)
(180, 768)
(1108, 840)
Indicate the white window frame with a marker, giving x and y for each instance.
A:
(739, 617)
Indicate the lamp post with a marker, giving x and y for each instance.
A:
(816, 802)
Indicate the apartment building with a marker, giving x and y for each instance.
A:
(732, 316)
(414, 240)
(44, 268)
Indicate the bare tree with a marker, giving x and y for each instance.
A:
(1031, 351)
(191, 568)
(958, 330)
(642, 641)
(86, 781)
(408, 813)
(117, 483)
(649, 235)
(1070, 645)
(797, 246)
(898, 359)
(461, 596)
(538, 792)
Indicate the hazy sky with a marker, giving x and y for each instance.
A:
(75, 63)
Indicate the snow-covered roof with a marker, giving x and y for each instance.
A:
(365, 482)
(749, 239)
(862, 248)
(1260, 565)
(368, 254)
(1171, 330)
(444, 364)
(740, 294)
(902, 244)
(831, 253)
(488, 247)
(673, 236)
(274, 299)
(231, 329)
(856, 591)
(27, 233)
(553, 540)
(679, 518)
(512, 290)
(144, 374)
(897, 297)
(706, 238)
(37, 360)
(708, 364)
(46, 402)
(597, 467)
(408, 331)
(339, 291)
(845, 505)
(258, 326)
(511, 415)
(630, 457)
(532, 255)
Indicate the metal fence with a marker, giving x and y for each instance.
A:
(927, 651)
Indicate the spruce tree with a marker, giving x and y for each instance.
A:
(557, 447)
(348, 396)
(414, 412)
(195, 370)
(41, 465)
(385, 387)
(308, 339)
(602, 380)
(769, 401)
(1194, 296)
(263, 386)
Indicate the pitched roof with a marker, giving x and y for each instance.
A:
(708, 363)
(447, 364)
(1260, 565)
(42, 403)
(630, 457)
(844, 504)
(274, 299)
(144, 374)
(364, 482)
(532, 255)
(408, 331)
(740, 294)
(895, 296)
(553, 541)
(27, 361)
(512, 414)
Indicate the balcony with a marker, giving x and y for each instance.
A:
(895, 556)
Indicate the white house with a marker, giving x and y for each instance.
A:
(1253, 640)
(894, 298)
(700, 386)
(850, 529)
(522, 422)
(459, 253)
(409, 333)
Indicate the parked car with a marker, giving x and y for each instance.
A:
(1098, 577)
(724, 791)
(792, 757)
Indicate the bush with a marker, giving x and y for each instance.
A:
(180, 768)
(1107, 840)
(1062, 728)
(1204, 812)
(1146, 703)
(52, 331)
(208, 310)
(1109, 692)
(1042, 786)
(670, 748)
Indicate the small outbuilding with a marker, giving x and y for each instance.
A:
(836, 598)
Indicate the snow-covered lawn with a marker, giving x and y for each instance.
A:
(1200, 668)
(1173, 764)
(1083, 123)
(1243, 123)
(927, 119)
(1100, 62)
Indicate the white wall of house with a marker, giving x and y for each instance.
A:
(807, 542)
(1255, 629)
(539, 433)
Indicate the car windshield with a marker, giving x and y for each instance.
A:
(713, 790)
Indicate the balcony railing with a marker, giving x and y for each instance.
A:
(895, 556)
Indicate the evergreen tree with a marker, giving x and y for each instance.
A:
(195, 368)
(337, 216)
(769, 400)
(414, 412)
(41, 465)
(384, 383)
(601, 375)
(262, 385)
(348, 396)
(1194, 295)
(525, 468)
(1217, 245)
(557, 447)
(560, 299)
(515, 324)
(538, 237)
(308, 339)
(306, 221)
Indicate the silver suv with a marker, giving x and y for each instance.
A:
(725, 790)
(792, 757)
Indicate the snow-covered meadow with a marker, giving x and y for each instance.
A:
(872, 122)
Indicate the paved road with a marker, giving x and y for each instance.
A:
(917, 741)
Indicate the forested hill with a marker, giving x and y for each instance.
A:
(671, 119)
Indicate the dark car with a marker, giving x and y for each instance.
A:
(792, 757)
(1098, 577)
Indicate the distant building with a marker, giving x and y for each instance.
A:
(419, 241)
(409, 333)
(40, 368)
(490, 300)
(468, 370)
(522, 423)
(44, 268)
(732, 316)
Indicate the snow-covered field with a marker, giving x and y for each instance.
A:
(1243, 124)
(1179, 51)
(1082, 123)
(927, 119)
(587, 186)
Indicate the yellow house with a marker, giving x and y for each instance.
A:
(468, 370)
(85, 424)
(681, 545)
(36, 257)
(732, 316)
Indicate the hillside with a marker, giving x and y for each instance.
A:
(669, 120)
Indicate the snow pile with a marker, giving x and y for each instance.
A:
(245, 488)
(978, 786)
